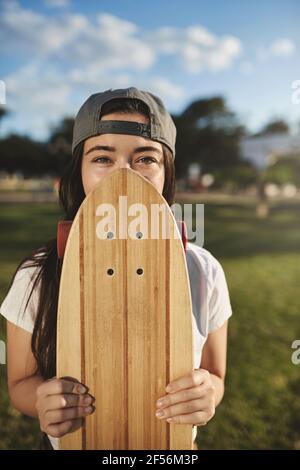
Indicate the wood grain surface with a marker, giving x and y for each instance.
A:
(124, 317)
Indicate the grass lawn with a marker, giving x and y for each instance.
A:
(261, 259)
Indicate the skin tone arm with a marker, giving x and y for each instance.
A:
(214, 357)
(192, 399)
(21, 377)
(59, 404)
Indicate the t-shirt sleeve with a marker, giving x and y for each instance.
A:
(13, 305)
(219, 301)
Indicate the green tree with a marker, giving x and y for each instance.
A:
(60, 144)
(208, 132)
(285, 170)
(236, 177)
(276, 126)
(21, 153)
(3, 113)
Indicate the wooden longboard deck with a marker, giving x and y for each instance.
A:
(124, 318)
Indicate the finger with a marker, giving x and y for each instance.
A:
(55, 402)
(182, 396)
(199, 418)
(59, 430)
(192, 379)
(59, 416)
(59, 386)
(182, 408)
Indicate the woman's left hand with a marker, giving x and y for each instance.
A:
(190, 400)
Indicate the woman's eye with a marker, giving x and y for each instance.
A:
(101, 158)
(147, 159)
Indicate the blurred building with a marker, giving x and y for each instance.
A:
(261, 149)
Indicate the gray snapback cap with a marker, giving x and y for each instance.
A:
(161, 126)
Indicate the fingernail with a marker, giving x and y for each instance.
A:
(160, 403)
(88, 409)
(169, 388)
(159, 414)
(87, 400)
(81, 389)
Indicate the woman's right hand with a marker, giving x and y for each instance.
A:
(61, 404)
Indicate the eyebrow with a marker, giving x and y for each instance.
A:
(113, 149)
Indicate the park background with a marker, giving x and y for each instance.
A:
(229, 73)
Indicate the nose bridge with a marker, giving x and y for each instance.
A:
(123, 161)
(124, 164)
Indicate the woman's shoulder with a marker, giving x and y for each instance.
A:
(26, 274)
(208, 264)
(26, 270)
(20, 303)
(214, 289)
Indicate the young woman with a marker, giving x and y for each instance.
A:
(101, 145)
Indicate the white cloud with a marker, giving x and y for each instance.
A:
(201, 36)
(114, 42)
(115, 26)
(163, 87)
(2, 93)
(70, 56)
(73, 37)
(281, 47)
(39, 96)
(196, 47)
(34, 34)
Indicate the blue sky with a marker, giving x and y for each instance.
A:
(55, 53)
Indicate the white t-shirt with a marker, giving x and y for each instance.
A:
(209, 293)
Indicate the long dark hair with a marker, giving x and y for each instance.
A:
(45, 259)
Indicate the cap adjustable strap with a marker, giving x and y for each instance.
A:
(123, 127)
